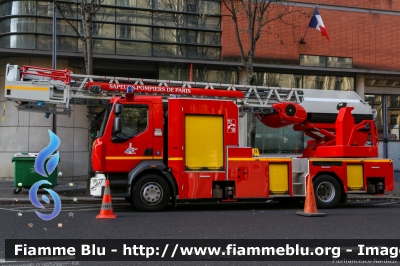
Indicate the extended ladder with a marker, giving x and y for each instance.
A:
(53, 91)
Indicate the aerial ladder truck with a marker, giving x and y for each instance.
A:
(163, 141)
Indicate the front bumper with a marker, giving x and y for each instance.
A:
(97, 184)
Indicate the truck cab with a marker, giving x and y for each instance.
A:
(130, 137)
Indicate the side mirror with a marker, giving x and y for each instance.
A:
(117, 126)
(117, 109)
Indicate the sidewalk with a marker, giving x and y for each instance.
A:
(75, 193)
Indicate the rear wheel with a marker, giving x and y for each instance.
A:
(344, 197)
(327, 191)
(151, 193)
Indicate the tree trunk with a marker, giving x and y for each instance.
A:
(253, 119)
(91, 138)
(90, 112)
(87, 16)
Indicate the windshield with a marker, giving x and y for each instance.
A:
(106, 114)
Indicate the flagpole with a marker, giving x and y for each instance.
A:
(302, 39)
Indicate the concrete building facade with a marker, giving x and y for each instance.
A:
(181, 39)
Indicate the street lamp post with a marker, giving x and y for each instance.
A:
(54, 58)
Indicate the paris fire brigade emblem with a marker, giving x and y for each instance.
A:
(231, 125)
(131, 150)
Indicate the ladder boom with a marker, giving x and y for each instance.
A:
(48, 90)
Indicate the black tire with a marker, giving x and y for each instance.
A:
(327, 191)
(17, 190)
(151, 193)
(344, 197)
(128, 199)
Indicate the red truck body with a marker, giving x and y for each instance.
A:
(189, 150)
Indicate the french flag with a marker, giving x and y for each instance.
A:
(317, 23)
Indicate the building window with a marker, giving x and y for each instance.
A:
(174, 72)
(175, 5)
(103, 30)
(133, 48)
(104, 14)
(18, 25)
(25, 41)
(134, 16)
(312, 60)
(17, 8)
(304, 81)
(382, 82)
(201, 73)
(181, 28)
(135, 3)
(342, 62)
(169, 50)
(133, 32)
(326, 61)
(393, 112)
(393, 120)
(99, 46)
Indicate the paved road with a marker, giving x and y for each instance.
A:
(354, 220)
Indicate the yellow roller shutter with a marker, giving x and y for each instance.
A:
(203, 142)
(278, 178)
(355, 177)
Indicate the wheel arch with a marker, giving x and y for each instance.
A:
(343, 197)
(152, 167)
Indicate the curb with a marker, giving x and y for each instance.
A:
(8, 201)
(92, 200)
(383, 198)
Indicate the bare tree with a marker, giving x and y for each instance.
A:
(201, 19)
(88, 9)
(250, 17)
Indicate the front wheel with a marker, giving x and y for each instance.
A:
(129, 199)
(151, 193)
(327, 191)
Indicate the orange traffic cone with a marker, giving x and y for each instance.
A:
(106, 210)
(310, 206)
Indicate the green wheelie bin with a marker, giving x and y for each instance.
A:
(25, 174)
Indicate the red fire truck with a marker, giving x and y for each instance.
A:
(156, 150)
